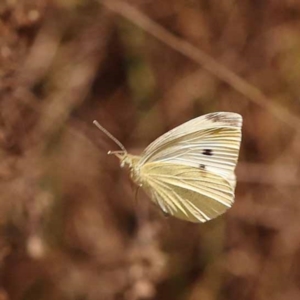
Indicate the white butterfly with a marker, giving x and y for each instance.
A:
(189, 171)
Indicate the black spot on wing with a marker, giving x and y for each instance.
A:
(208, 152)
(202, 167)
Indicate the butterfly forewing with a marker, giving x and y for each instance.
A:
(210, 143)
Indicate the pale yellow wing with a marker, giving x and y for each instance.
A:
(186, 192)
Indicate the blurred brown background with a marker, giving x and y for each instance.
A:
(70, 225)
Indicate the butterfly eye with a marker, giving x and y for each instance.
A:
(207, 152)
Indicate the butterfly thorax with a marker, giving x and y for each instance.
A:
(132, 163)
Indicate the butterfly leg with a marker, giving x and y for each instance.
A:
(136, 195)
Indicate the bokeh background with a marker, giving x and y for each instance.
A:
(71, 227)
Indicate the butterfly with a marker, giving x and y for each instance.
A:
(189, 171)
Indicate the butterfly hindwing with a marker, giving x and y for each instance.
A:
(186, 192)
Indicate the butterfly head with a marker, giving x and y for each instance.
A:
(123, 157)
(131, 161)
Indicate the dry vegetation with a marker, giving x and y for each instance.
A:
(70, 227)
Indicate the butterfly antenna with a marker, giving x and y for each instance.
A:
(110, 136)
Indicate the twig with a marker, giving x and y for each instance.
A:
(251, 92)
